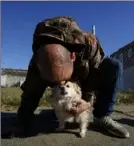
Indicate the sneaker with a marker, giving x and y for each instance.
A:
(111, 126)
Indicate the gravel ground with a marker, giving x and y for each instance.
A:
(45, 123)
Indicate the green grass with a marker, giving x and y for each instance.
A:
(126, 97)
(11, 97)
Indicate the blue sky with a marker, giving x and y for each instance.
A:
(114, 25)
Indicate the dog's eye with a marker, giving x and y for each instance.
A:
(68, 86)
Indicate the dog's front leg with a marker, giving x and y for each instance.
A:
(83, 127)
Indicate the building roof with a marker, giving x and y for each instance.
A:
(131, 44)
(14, 72)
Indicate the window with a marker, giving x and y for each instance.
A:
(130, 53)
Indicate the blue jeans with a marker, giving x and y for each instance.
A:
(110, 73)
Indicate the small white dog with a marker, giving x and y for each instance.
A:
(62, 99)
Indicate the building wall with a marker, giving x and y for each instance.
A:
(128, 76)
(3, 80)
(10, 80)
(128, 58)
(121, 83)
(125, 55)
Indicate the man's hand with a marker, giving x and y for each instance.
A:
(82, 105)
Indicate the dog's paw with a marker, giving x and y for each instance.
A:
(82, 134)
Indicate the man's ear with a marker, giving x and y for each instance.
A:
(73, 56)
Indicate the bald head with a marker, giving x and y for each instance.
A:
(54, 62)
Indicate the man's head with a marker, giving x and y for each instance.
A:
(54, 62)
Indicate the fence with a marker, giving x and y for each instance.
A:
(126, 56)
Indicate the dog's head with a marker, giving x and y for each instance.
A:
(68, 89)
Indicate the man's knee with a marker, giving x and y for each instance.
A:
(29, 103)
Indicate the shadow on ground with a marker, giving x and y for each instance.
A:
(44, 123)
(126, 121)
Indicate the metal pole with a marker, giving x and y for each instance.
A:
(93, 29)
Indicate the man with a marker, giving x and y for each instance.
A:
(62, 51)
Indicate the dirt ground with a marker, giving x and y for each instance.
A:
(45, 123)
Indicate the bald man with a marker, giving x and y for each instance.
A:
(62, 52)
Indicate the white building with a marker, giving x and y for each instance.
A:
(12, 77)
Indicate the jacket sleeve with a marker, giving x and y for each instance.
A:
(94, 51)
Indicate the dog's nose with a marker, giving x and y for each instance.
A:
(62, 89)
(63, 92)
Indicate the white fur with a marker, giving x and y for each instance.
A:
(63, 103)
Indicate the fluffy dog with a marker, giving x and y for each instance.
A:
(62, 99)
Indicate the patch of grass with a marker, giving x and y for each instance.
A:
(11, 98)
(126, 97)
(45, 95)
